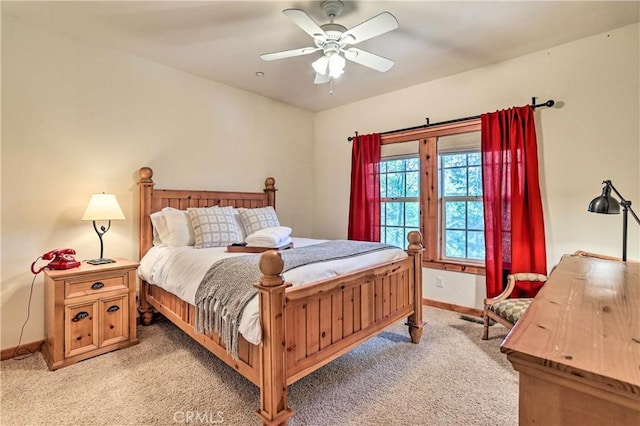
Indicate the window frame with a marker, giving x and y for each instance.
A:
(427, 138)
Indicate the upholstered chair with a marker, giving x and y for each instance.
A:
(505, 310)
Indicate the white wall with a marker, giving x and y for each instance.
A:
(591, 134)
(78, 119)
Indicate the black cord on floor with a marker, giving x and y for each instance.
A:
(25, 352)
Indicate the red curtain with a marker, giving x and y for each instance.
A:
(364, 203)
(514, 225)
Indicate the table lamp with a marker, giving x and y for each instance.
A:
(102, 207)
(607, 204)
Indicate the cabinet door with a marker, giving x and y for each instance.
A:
(81, 328)
(114, 320)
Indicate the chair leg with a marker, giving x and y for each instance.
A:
(485, 332)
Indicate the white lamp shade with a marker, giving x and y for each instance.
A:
(320, 65)
(336, 65)
(103, 207)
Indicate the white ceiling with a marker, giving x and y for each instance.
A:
(223, 40)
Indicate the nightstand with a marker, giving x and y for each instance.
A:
(89, 310)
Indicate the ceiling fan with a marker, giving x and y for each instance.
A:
(333, 39)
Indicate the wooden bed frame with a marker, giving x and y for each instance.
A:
(303, 328)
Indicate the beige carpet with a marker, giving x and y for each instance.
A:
(451, 378)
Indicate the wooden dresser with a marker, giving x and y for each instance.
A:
(89, 310)
(577, 348)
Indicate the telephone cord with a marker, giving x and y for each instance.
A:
(26, 352)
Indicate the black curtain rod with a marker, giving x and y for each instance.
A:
(549, 103)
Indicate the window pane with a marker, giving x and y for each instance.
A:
(475, 181)
(394, 236)
(455, 213)
(413, 164)
(395, 185)
(475, 215)
(394, 214)
(383, 185)
(455, 244)
(383, 214)
(413, 184)
(412, 214)
(395, 165)
(383, 166)
(474, 159)
(475, 249)
(454, 182)
(454, 160)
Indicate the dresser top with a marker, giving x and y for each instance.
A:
(585, 321)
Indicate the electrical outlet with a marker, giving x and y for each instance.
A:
(439, 282)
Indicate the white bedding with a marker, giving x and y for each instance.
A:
(179, 270)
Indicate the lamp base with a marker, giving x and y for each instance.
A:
(101, 261)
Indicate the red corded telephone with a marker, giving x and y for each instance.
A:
(62, 259)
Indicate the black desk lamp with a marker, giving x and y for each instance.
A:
(606, 204)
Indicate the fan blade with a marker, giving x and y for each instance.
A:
(288, 53)
(375, 26)
(321, 79)
(368, 59)
(301, 19)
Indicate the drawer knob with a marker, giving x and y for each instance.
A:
(79, 316)
(113, 308)
(97, 285)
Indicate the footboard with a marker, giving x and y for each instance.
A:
(308, 326)
(327, 319)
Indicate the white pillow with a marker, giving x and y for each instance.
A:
(159, 227)
(214, 226)
(257, 219)
(239, 225)
(179, 231)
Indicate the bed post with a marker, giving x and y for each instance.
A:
(270, 190)
(273, 369)
(146, 236)
(414, 321)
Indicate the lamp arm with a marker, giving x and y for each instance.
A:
(626, 204)
(100, 234)
(633, 213)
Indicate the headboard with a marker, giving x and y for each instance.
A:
(153, 200)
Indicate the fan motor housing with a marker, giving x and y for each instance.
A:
(334, 31)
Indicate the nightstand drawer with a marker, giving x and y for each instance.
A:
(94, 285)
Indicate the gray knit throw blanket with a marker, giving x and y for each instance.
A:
(227, 286)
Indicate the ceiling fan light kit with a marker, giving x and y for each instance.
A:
(334, 40)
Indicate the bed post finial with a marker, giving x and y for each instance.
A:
(414, 321)
(145, 175)
(415, 241)
(271, 266)
(270, 189)
(273, 380)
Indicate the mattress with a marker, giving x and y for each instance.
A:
(179, 271)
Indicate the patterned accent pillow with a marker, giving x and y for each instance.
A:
(214, 226)
(256, 219)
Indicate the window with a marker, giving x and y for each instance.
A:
(399, 198)
(461, 210)
(449, 205)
